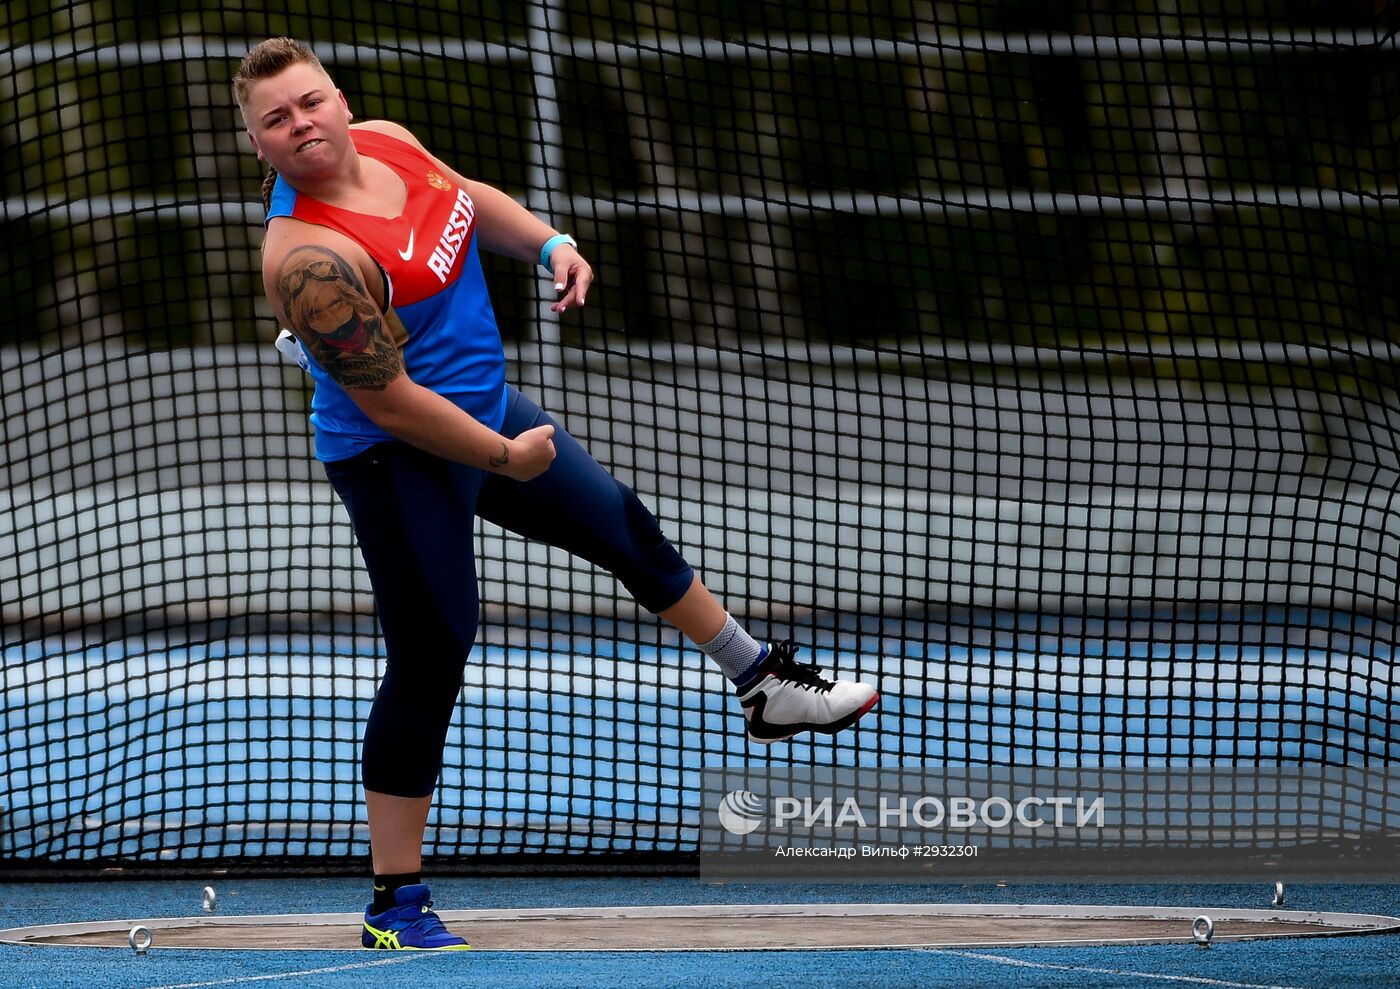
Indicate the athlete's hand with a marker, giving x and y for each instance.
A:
(528, 455)
(572, 276)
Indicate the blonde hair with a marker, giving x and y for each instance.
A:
(267, 59)
(264, 61)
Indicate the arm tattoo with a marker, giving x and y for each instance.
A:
(327, 307)
(501, 459)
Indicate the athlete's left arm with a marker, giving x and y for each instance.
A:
(506, 227)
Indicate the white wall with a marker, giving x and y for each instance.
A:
(184, 480)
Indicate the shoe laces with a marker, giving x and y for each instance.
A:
(788, 670)
(428, 922)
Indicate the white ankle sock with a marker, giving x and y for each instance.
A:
(733, 650)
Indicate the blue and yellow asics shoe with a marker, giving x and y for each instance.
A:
(411, 925)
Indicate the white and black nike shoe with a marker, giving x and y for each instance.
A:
(790, 697)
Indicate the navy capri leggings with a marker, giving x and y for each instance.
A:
(413, 515)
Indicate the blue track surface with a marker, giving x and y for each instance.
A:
(151, 747)
(1334, 963)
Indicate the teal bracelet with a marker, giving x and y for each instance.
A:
(551, 244)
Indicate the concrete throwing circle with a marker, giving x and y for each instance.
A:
(733, 928)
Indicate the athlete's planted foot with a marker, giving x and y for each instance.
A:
(410, 925)
(790, 697)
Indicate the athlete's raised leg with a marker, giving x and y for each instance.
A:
(577, 505)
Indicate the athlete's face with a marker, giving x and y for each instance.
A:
(298, 122)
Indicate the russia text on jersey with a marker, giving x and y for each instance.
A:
(454, 235)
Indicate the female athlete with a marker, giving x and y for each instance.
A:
(371, 260)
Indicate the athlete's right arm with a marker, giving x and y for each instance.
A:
(321, 297)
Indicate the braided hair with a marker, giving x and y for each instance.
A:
(268, 182)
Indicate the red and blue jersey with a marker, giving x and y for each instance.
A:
(437, 307)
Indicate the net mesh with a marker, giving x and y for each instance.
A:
(1036, 362)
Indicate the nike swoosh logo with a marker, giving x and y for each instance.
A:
(407, 254)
